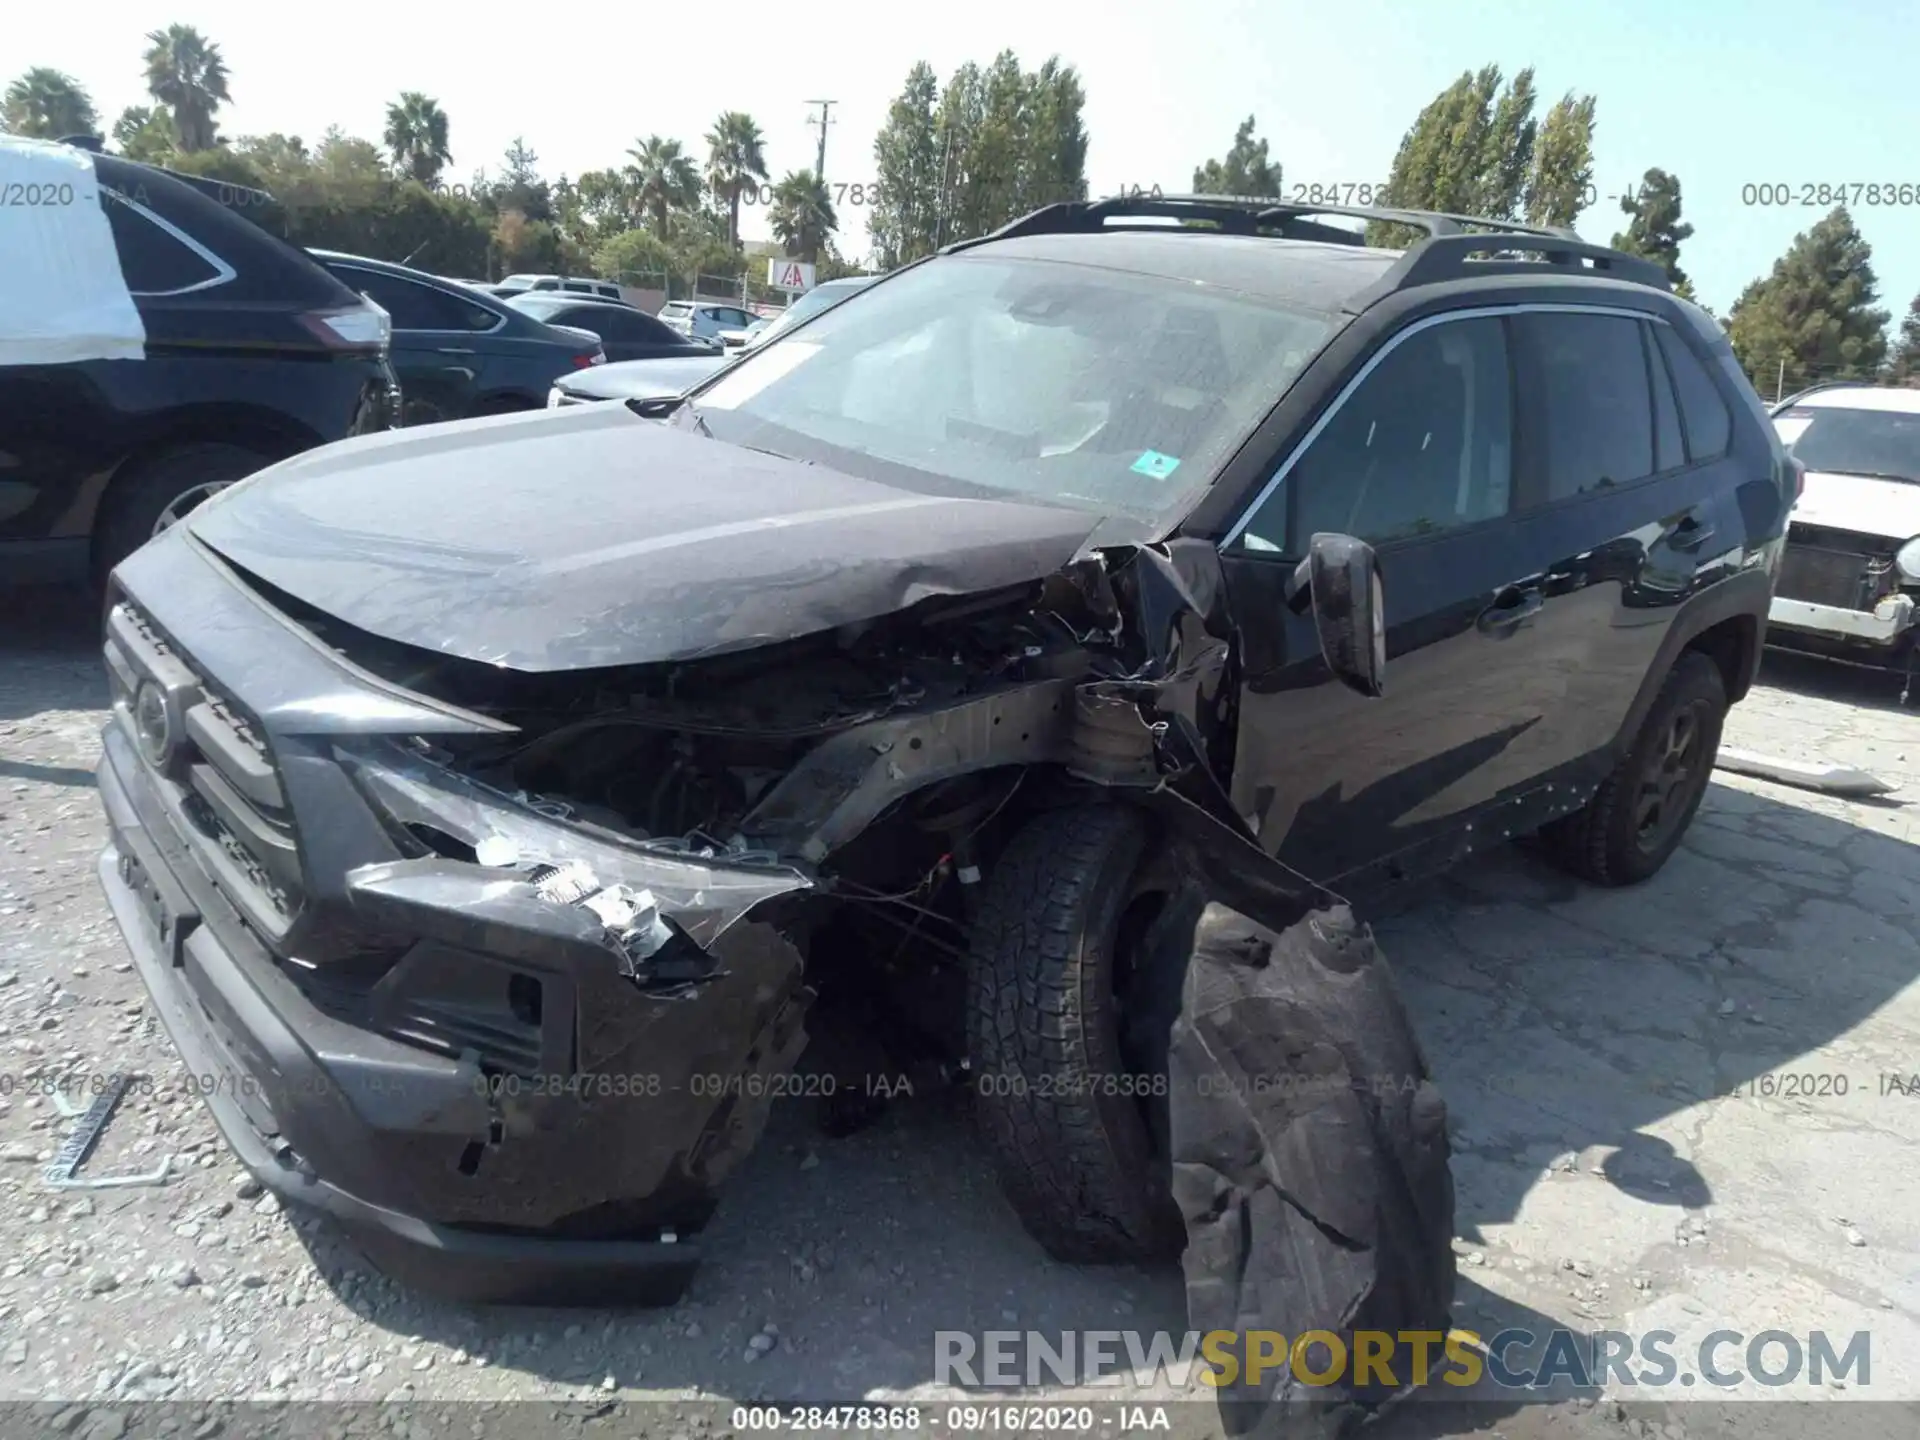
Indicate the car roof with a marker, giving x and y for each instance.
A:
(1862, 397)
(1309, 273)
(569, 298)
(367, 262)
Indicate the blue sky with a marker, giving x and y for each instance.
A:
(1723, 94)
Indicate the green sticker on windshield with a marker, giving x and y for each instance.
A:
(1154, 465)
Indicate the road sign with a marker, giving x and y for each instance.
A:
(793, 276)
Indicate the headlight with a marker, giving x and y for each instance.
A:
(1907, 559)
(568, 859)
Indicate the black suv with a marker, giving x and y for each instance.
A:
(252, 353)
(494, 836)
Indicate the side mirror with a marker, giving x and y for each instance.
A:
(1340, 582)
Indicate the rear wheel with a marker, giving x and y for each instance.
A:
(160, 492)
(1640, 814)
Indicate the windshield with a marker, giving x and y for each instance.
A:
(812, 303)
(1102, 389)
(1853, 442)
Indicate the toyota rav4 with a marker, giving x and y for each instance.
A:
(490, 802)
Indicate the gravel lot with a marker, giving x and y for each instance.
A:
(1596, 1049)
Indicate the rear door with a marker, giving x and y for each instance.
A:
(1416, 457)
(437, 345)
(1625, 513)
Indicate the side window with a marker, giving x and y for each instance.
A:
(1669, 452)
(649, 331)
(1702, 410)
(1422, 446)
(1590, 400)
(604, 321)
(153, 260)
(416, 307)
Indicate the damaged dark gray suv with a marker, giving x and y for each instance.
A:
(491, 802)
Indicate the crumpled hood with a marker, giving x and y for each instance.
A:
(1860, 503)
(586, 536)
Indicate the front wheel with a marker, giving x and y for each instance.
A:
(1640, 814)
(1068, 909)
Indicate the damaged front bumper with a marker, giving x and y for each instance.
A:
(1883, 625)
(516, 1082)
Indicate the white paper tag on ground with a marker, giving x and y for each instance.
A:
(62, 296)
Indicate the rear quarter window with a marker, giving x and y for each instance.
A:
(1704, 413)
(153, 259)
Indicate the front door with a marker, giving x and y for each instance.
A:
(1416, 458)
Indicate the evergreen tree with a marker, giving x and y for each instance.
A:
(1655, 230)
(1813, 317)
(1904, 367)
(1246, 170)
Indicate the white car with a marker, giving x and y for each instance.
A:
(1849, 582)
(715, 320)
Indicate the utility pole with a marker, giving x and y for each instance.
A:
(820, 164)
(1780, 381)
(946, 183)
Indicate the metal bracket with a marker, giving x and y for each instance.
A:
(73, 1152)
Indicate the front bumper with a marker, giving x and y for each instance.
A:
(1880, 626)
(571, 1160)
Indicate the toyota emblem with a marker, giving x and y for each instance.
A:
(153, 723)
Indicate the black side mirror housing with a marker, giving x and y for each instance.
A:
(1339, 582)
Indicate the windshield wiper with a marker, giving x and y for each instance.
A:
(666, 409)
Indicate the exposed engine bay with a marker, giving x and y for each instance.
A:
(890, 759)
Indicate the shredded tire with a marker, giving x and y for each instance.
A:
(1071, 1146)
(1310, 1160)
(1600, 843)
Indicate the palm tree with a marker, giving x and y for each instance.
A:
(48, 104)
(144, 133)
(416, 136)
(186, 74)
(736, 158)
(802, 215)
(664, 179)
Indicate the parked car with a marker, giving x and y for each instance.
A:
(569, 284)
(823, 296)
(456, 352)
(624, 332)
(636, 379)
(1850, 580)
(241, 352)
(720, 321)
(924, 661)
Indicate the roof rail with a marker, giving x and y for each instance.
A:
(1444, 255)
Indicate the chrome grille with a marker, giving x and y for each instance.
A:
(211, 767)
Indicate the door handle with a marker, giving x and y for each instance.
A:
(1511, 609)
(1690, 534)
(454, 350)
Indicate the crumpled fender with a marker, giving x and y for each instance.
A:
(1310, 1158)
